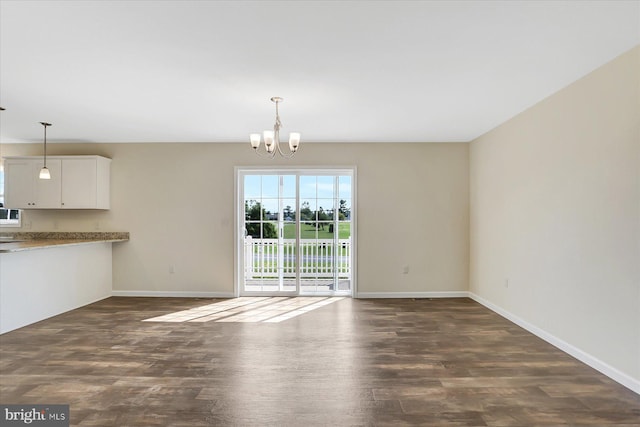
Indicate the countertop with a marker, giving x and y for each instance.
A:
(25, 241)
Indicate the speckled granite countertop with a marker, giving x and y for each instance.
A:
(25, 241)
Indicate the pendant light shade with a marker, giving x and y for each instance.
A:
(44, 172)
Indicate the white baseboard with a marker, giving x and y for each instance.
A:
(435, 294)
(172, 294)
(597, 364)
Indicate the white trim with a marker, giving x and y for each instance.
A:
(241, 171)
(434, 294)
(237, 235)
(597, 364)
(354, 230)
(172, 294)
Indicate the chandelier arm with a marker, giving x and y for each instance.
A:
(266, 154)
(286, 156)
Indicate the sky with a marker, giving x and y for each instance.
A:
(317, 190)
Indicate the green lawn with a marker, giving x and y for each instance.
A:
(308, 231)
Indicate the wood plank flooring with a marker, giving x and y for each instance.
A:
(354, 362)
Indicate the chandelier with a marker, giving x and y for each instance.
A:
(272, 138)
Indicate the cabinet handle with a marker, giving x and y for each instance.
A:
(62, 203)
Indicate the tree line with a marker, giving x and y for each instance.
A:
(267, 230)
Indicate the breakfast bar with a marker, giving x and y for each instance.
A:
(43, 274)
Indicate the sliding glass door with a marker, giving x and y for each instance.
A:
(295, 232)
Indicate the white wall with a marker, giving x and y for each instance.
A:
(176, 200)
(555, 210)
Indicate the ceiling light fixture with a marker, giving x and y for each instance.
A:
(272, 138)
(44, 172)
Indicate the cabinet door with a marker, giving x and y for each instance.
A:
(48, 190)
(19, 183)
(79, 183)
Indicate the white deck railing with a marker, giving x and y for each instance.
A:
(321, 258)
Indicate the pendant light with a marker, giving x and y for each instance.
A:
(44, 172)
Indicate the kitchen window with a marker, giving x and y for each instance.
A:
(8, 217)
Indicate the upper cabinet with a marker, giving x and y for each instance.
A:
(77, 182)
(85, 183)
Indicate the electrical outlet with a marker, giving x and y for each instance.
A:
(172, 269)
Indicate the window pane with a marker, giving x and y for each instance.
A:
(289, 209)
(325, 208)
(270, 186)
(307, 187)
(269, 230)
(270, 207)
(252, 187)
(252, 209)
(344, 230)
(289, 230)
(308, 210)
(289, 186)
(308, 230)
(344, 187)
(324, 229)
(326, 187)
(344, 202)
(252, 228)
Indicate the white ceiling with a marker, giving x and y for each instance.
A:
(349, 71)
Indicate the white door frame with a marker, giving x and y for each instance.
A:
(238, 258)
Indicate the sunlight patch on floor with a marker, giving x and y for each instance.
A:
(249, 309)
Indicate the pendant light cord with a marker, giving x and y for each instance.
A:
(45, 146)
(45, 124)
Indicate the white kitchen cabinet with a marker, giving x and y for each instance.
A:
(85, 182)
(23, 188)
(77, 182)
(47, 194)
(19, 183)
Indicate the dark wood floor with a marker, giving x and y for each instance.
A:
(353, 362)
